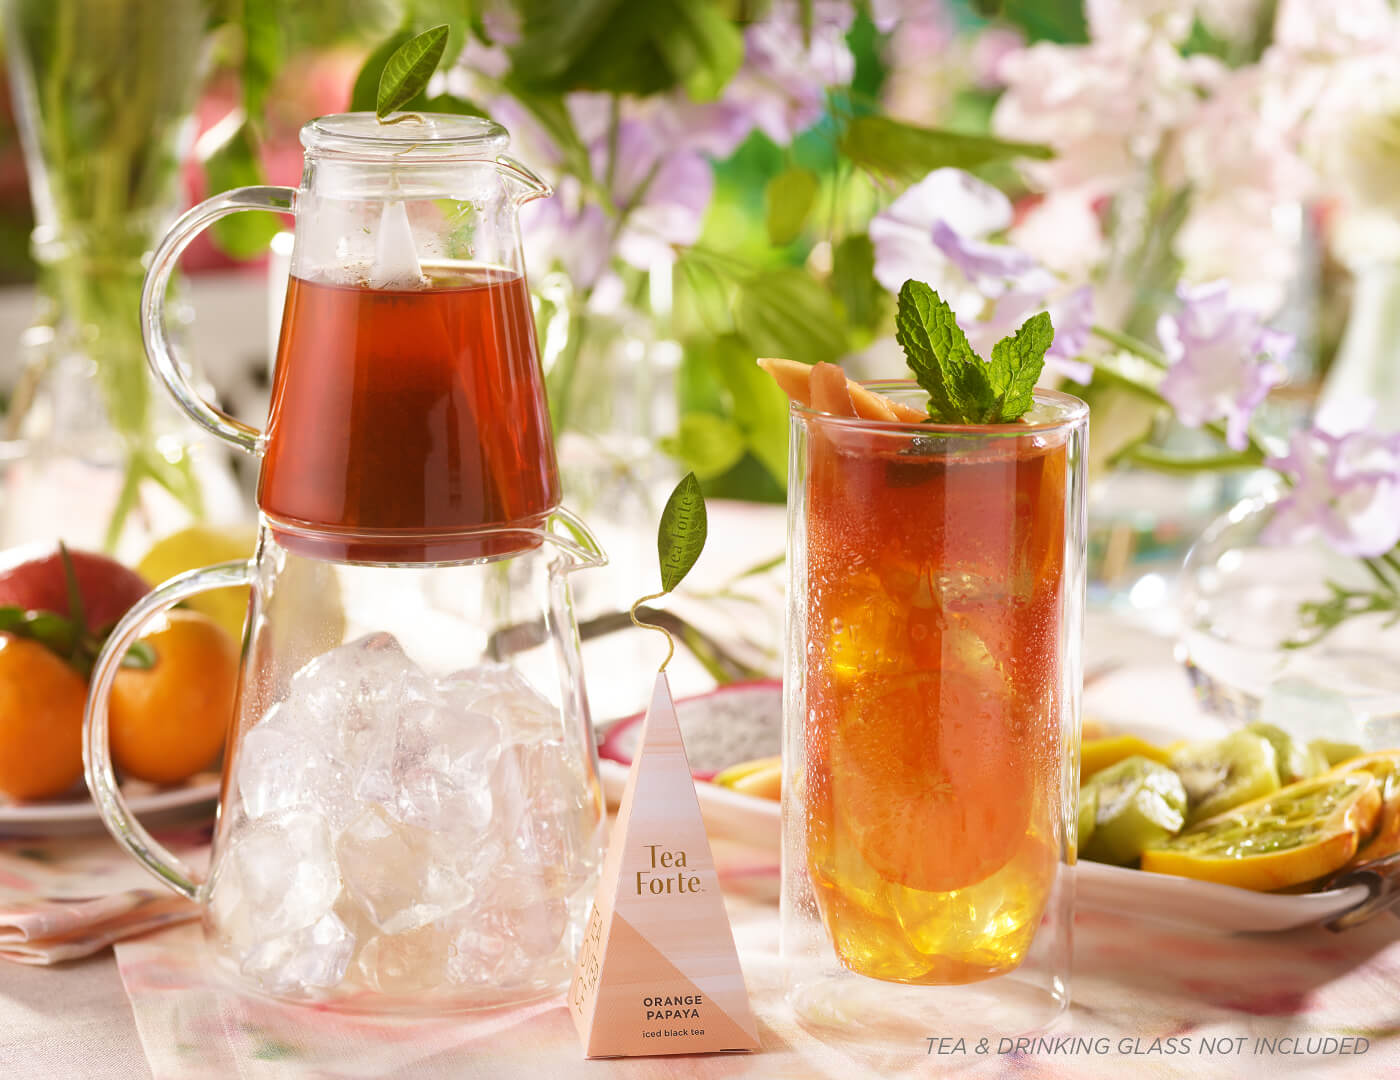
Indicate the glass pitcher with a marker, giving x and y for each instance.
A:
(410, 815)
(408, 408)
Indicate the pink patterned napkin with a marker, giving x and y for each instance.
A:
(65, 897)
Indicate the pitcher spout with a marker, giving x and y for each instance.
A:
(526, 185)
(567, 532)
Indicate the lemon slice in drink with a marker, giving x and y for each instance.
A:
(1298, 833)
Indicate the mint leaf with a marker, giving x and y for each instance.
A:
(1016, 365)
(962, 387)
(941, 357)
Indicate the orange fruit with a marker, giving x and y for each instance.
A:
(41, 720)
(931, 779)
(169, 720)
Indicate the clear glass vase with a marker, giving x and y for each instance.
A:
(1248, 653)
(104, 91)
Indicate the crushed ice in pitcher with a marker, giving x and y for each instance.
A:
(399, 834)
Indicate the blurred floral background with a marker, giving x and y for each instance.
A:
(1201, 193)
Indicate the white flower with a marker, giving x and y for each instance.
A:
(1063, 232)
(1334, 28)
(1115, 19)
(1104, 107)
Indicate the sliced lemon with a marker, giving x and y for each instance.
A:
(1095, 755)
(202, 545)
(1298, 833)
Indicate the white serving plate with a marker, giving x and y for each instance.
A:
(153, 805)
(1158, 898)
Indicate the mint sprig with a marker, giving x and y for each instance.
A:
(962, 387)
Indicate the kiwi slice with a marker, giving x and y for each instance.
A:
(1088, 810)
(1334, 753)
(1137, 803)
(1220, 775)
(1294, 760)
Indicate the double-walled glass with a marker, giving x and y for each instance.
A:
(931, 724)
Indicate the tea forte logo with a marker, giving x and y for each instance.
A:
(666, 874)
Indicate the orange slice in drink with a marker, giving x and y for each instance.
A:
(930, 778)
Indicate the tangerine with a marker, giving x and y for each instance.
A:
(169, 720)
(41, 720)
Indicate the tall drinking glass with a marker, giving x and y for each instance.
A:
(931, 724)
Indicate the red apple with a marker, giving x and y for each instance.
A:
(31, 577)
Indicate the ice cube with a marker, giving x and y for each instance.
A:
(508, 946)
(406, 963)
(313, 957)
(400, 878)
(286, 872)
(278, 770)
(548, 819)
(434, 772)
(347, 698)
(395, 256)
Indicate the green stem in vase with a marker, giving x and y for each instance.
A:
(105, 89)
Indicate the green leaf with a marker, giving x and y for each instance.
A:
(407, 73)
(853, 281)
(786, 312)
(626, 47)
(941, 357)
(458, 15)
(705, 52)
(450, 103)
(681, 535)
(758, 406)
(140, 656)
(788, 200)
(706, 443)
(1016, 365)
(904, 152)
(365, 92)
(235, 164)
(263, 50)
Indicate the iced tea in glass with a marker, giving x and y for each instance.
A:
(936, 575)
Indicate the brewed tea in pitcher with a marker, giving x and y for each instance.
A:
(410, 816)
(427, 402)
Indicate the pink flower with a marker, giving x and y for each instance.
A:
(1223, 360)
(1345, 489)
(1105, 107)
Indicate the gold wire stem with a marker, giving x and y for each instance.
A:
(670, 641)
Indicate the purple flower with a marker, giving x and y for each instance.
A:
(1071, 314)
(934, 231)
(568, 232)
(663, 190)
(1345, 488)
(1223, 361)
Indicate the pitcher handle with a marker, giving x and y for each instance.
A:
(159, 352)
(97, 753)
